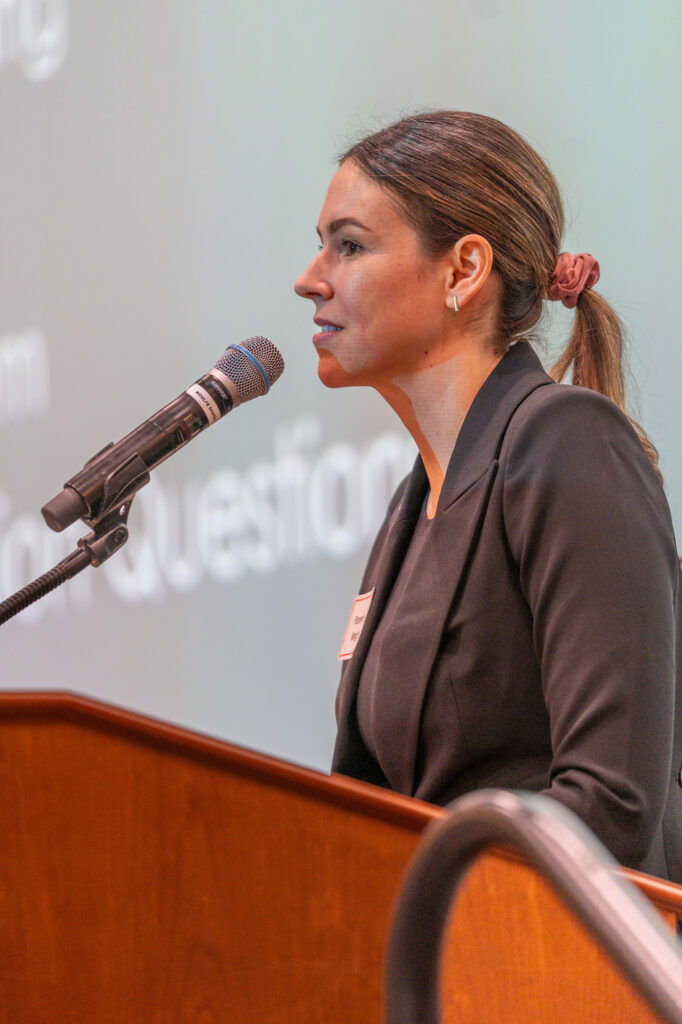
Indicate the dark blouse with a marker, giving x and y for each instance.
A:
(404, 604)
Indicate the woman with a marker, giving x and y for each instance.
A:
(516, 622)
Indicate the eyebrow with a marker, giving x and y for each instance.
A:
(343, 222)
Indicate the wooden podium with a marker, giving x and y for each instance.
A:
(152, 875)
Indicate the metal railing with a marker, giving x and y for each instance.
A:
(568, 855)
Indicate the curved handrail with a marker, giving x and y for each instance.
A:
(573, 860)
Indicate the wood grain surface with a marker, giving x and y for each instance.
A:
(148, 874)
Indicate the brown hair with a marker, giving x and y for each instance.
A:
(455, 173)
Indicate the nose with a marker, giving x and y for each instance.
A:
(313, 283)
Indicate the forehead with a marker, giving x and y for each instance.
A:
(353, 194)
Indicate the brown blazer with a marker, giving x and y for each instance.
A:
(540, 652)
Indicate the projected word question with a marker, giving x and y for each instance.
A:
(308, 502)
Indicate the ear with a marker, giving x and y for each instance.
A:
(470, 264)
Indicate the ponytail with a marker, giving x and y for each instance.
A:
(595, 353)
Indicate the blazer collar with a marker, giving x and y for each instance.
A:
(473, 462)
(517, 374)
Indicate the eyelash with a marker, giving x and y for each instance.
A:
(344, 245)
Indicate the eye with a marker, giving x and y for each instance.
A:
(350, 246)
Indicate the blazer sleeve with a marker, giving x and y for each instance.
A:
(589, 527)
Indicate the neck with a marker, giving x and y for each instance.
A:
(433, 402)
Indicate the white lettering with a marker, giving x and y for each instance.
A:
(306, 503)
(34, 34)
(261, 551)
(24, 378)
(176, 534)
(335, 501)
(27, 550)
(221, 526)
(134, 574)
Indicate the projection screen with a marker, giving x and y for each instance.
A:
(163, 165)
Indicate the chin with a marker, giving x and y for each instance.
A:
(331, 373)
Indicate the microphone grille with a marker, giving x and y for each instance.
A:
(252, 373)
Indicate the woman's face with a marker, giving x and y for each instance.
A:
(380, 304)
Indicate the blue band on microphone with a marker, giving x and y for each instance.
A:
(255, 362)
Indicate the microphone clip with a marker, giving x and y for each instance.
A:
(109, 533)
(120, 487)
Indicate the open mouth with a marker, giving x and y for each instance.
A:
(325, 329)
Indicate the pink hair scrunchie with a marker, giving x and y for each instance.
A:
(572, 274)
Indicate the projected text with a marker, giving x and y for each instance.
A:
(24, 378)
(34, 36)
(307, 502)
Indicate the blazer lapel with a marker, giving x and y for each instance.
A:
(408, 660)
(382, 569)
(455, 530)
(445, 560)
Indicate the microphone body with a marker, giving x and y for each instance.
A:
(117, 472)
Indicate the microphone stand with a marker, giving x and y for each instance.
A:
(109, 533)
(109, 529)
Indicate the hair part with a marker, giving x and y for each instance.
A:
(454, 173)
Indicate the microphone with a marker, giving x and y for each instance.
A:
(113, 476)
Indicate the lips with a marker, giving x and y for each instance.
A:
(327, 328)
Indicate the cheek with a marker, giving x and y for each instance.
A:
(359, 295)
(375, 305)
(382, 310)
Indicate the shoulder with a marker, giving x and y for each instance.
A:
(562, 425)
(572, 462)
(554, 404)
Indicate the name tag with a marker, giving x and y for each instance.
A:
(358, 614)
